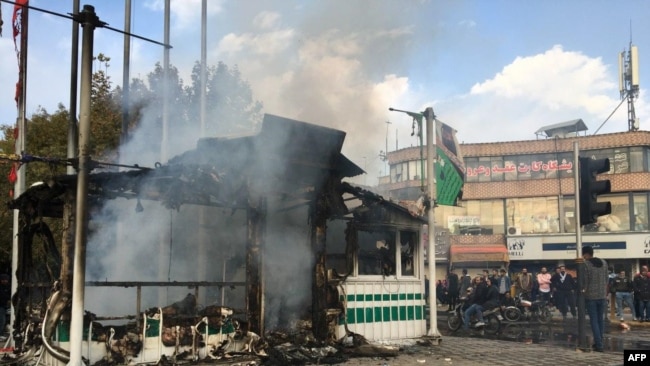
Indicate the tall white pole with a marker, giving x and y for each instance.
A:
(431, 195)
(431, 252)
(21, 142)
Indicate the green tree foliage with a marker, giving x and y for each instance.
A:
(230, 104)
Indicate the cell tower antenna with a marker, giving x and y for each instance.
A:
(628, 67)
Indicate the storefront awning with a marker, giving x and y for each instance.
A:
(478, 253)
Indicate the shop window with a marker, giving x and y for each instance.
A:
(537, 215)
(620, 161)
(523, 167)
(485, 169)
(636, 159)
(510, 165)
(498, 170)
(619, 219)
(569, 204)
(640, 212)
(484, 217)
(414, 170)
(471, 170)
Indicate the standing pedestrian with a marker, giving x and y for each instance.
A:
(594, 281)
(642, 287)
(544, 282)
(452, 288)
(5, 301)
(524, 283)
(465, 282)
(494, 276)
(503, 284)
(564, 294)
(621, 286)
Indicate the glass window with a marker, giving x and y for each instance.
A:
(414, 170)
(489, 214)
(619, 219)
(497, 169)
(602, 154)
(471, 170)
(377, 253)
(533, 215)
(398, 172)
(565, 165)
(523, 168)
(636, 159)
(484, 170)
(408, 258)
(640, 211)
(510, 165)
(620, 161)
(569, 204)
(539, 166)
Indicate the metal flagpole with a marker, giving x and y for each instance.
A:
(19, 184)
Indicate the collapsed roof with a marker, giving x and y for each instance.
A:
(287, 159)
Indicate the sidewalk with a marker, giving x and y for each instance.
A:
(471, 351)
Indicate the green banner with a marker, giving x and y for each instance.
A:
(449, 181)
(449, 167)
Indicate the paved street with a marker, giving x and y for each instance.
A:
(519, 344)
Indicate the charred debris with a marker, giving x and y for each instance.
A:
(289, 167)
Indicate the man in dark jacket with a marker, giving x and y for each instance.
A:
(564, 287)
(477, 298)
(641, 286)
(452, 289)
(465, 282)
(5, 298)
(594, 281)
(621, 287)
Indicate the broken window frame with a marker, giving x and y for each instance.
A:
(397, 233)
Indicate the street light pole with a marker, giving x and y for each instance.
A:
(431, 248)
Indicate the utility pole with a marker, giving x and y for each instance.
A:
(582, 337)
(430, 196)
(89, 21)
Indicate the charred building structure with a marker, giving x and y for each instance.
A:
(262, 229)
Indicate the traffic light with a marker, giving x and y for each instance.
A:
(590, 189)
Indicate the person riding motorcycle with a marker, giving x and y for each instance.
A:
(475, 301)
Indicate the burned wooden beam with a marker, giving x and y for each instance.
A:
(256, 216)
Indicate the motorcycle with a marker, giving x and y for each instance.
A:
(538, 310)
(491, 318)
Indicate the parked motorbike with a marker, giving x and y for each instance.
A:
(525, 309)
(491, 318)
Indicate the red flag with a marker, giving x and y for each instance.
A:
(17, 23)
(12, 174)
(15, 20)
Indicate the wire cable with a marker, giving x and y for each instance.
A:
(610, 115)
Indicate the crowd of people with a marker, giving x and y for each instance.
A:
(558, 289)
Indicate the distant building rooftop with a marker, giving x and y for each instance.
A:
(563, 129)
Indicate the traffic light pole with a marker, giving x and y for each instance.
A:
(582, 337)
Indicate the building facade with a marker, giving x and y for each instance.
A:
(518, 199)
